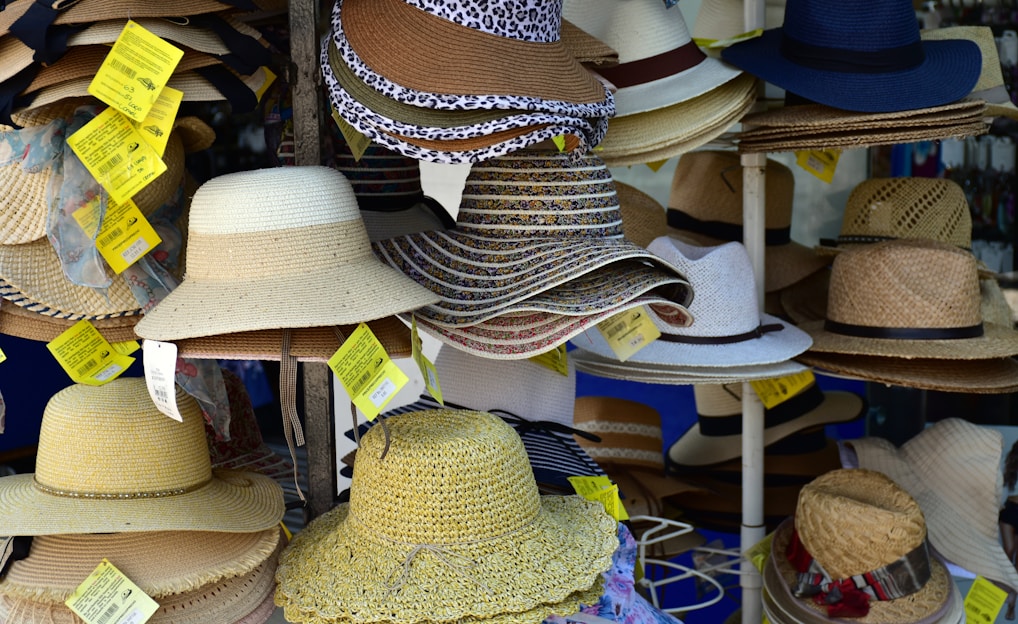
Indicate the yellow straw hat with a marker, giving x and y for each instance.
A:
(109, 461)
(445, 524)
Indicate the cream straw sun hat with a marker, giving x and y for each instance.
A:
(990, 86)
(291, 230)
(109, 461)
(425, 547)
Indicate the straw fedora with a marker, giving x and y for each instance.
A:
(419, 539)
(675, 374)
(908, 298)
(148, 472)
(717, 434)
(990, 85)
(952, 468)
(294, 230)
(705, 208)
(728, 329)
(859, 59)
(852, 529)
(378, 38)
(989, 376)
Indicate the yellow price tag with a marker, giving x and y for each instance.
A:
(427, 368)
(657, 164)
(358, 142)
(86, 357)
(135, 71)
(125, 234)
(724, 43)
(776, 391)
(821, 163)
(286, 531)
(601, 490)
(116, 154)
(3, 356)
(366, 372)
(560, 142)
(556, 359)
(269, 79)
(126, 348)
(109, 597)
(158, 124)
(759, 552)
(628, 332)
(983, 601)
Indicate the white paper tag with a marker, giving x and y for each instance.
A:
(160, 361)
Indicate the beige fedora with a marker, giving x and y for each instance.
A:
(990, 86)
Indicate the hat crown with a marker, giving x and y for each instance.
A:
(927, 208)
(448, 477)
(523, 20)
(904, 284)
(636, 29)
(111, 441)
(630, 432)
(858, 26)
(544, 195)
(718, 400)
(855, 521)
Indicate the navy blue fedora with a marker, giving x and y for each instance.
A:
(860, 55)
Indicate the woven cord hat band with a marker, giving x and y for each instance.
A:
(120, 495)
(654, 67)
(905, 333)
(825, 58)
(721, 340)
(725, 231)
(858, 238)
(802, 403)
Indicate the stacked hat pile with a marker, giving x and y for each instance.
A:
(117, 480)
(858, 76)
(489, 83)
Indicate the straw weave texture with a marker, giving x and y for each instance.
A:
(23, 323)
(820, 117)
(87, 11)
(85, 61)
(677, 375)
(989, 376)
(587, 49)
(856, 139)
(643, 218)
(630, 432)
(990, 85)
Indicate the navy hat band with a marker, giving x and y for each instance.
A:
(824, 58)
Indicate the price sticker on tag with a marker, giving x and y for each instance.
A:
(758, 553)
(367, 373)
(125, 234)
(158, 124)
(821, 163)
(656, 165)
(358, 142)
(160, 362)
(116, 154)
(86, 356)
(555, 359)
(600, 489)
(983, 601)
(135, 71)
(778, 390)
(628, 332)
(109, 597)
(427, 368)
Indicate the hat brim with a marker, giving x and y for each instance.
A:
(992, 376)
(812, 118)
(919, 87)
(232, 501)
(996, 342)
(23, 323)
(88, 11)
(857, 139)
(781, 465)
(702, 78)
(676, 375)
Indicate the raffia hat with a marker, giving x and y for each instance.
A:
(146, 472)
(908, 299)
(292, 230)
(859, 524)
(705, 208)
(952, 468)
(426, 548)
(990, 86)
(990, 376)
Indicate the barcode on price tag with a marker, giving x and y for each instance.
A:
(160, 360)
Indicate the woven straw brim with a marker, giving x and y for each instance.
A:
(931, 122)
(678, 374)
(586, 48)
(23, 201)
(309, 344)
(995, 342)
(990, 376)
(84, 61)
(23, 323)
(566, 547)
(694, 448)
(928, 604)
(862, 138)
(262, 612)
(817, 117)
(642, 490)
(386, 37)
(87, 11)
(706, 76)
(159, 562)
(643, 218)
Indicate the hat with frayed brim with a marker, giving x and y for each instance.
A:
(145, 471)
(23, 323)
(859, 58)
(990, 86)
(952, 468)
(990, 376)
(295, 231)
(417, 538)
(908, 298)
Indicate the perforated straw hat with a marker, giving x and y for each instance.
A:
(109, 461)
(293, 231)
(427, 548)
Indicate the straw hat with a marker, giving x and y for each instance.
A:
(728, 329)
(968, 124)
(587, 49)
(23, 323)
(675, 374)
(908, 299)
(990, 376)
(705, 208)
(417, 539)
(868, 59)
(378, 39)
(717, 434)
(291, 230)
(810, 119)
(850, 523)
(109, 461)
(790, 459)
(952, 468)
(990, 85)
(643, 218)
(88, 11)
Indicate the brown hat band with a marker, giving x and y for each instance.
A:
(904, 333)
(725, 231)
(654, 67)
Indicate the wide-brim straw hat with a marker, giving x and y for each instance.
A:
(705, 208)
(678, 375)
(418, 539)
(146, 472)
(990, 85)
(291, 230)
(908, 299)
(990, 376)
(23, 323)
(717, 435)
(952, 468)
(825, 52)
(88, 11)
(469, 71)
